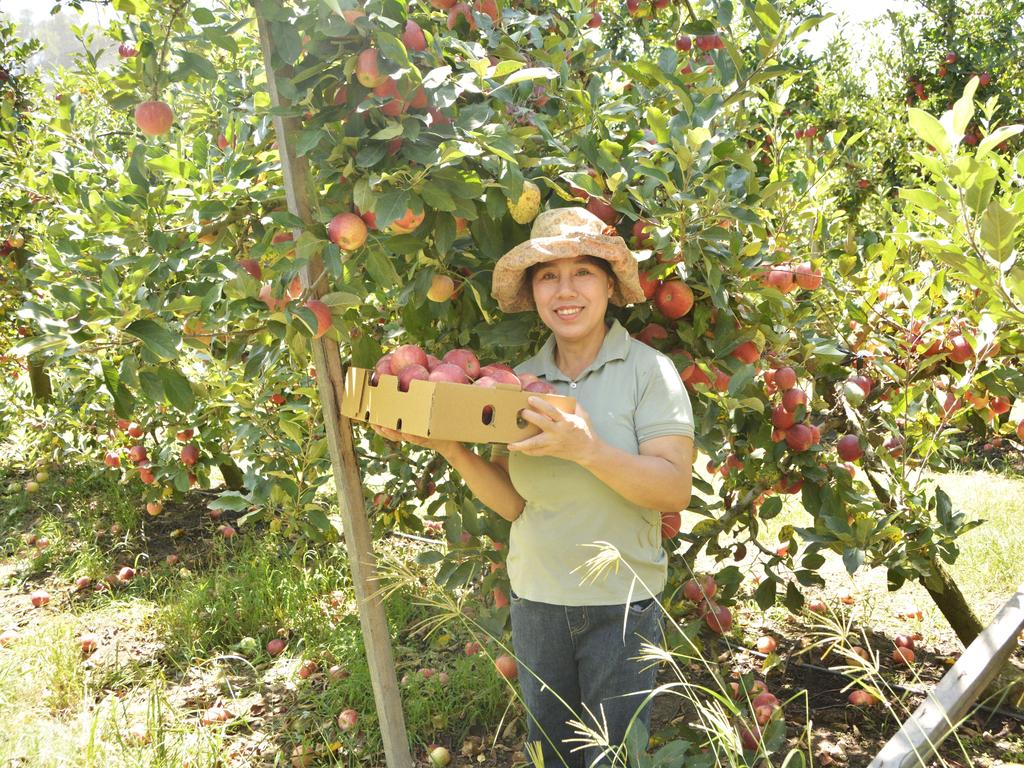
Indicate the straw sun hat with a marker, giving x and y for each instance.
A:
(564, 233)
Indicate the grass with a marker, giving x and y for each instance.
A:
(176, 641)
(987, 570)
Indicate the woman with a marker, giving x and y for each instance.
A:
(583, 479)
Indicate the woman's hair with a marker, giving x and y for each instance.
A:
(594, 260)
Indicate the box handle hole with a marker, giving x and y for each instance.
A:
(487, 414)
(520, 421)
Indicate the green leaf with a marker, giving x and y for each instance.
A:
(922, 197)
(429, 557)
(178, 390)
(963, 110)
(531, 73)
(158, 339)
(929, 130)
(853, 558)
(201, 66)
(382, 270)
(230, 500)
(997, 227)
(390, 206)
(37, 344)
(997, 137)
(766, 594)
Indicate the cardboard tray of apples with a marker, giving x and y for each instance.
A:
(454, 398)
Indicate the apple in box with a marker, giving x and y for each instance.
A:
(464, 359)
(450, 373)
(406, 355)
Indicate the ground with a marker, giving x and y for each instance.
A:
(169, 649)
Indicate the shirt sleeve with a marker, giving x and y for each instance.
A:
(498, 449)
(663, 406)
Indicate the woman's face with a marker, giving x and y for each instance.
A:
(571, 296)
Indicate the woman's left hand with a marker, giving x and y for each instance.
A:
(563, 435)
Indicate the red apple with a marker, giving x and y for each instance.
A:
(39, 598)
(541, 387)
(960, 350)
(603, 210)
(670, 524)
(464, 359)
(460, 10)
(323, 317)
(368, 69)
(785, 378)
(718, 618)
(111, 459)
(413, 37)
(89, 642)
(817, 606)
(135, 430)
(903, 657)
(406, 355)
(347, 719)
(807, 277)
(650, 333)
(126, 574)
(472, 648)
(649, 285)
(190, 454)
(450, 373)
(137, 453)
(275, 646)
(410, 373)
(747, 352)
(506, 667)
(848, 448)
(154, 118)
(766, 644)
(347, 230)
(781, 418)
(861, 699)
(408, 222)
(674, 299)
(792, 398)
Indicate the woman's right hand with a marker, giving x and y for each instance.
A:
(444, 447)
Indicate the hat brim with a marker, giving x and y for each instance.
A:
(508, 283)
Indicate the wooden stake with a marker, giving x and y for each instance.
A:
(940, 713)
(330, 379)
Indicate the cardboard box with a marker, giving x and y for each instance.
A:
(441, 410)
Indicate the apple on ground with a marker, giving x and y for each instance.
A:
(347, 719)
(506, 667)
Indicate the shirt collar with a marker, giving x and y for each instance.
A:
(614, 347)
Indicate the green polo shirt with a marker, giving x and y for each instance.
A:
(633, 393)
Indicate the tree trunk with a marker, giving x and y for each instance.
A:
(234, 478)
(954, 605)
(40, 381)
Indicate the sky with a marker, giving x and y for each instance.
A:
(851, 12)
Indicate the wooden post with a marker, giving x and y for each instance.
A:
(941, 712)
(330, 379)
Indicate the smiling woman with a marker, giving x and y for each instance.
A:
(602, 475)
(586, 479)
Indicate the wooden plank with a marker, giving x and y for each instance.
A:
(940, 713)
(330, 380)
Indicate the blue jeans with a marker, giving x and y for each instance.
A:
(572, 659)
